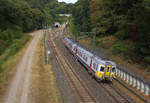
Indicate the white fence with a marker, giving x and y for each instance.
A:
(134, 80)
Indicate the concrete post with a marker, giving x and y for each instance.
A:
(124, 76)
(142, 86)
(134, 82)
(131, 80)
(147, 90)
(121, 74)
(138, 84)
(127, 78)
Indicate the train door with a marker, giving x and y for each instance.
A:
(76, 50)
(107, 70)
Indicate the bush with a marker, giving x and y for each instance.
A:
(7, 37)
(15, 47)
(119, 48)
(122, 35)
(147, 59)
(127, 49)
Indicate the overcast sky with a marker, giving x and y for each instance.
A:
(68, 1)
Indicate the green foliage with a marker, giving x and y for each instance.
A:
(127, 20)
(147, 59)
(119, 48)
(72, 27)
(7, 37)
(18, 16)
(81, 15)
(14, 48)
(127, 49)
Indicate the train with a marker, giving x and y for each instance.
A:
(100, 68)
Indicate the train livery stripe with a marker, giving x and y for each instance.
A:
(90, 67)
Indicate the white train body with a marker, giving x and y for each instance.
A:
(100, 68)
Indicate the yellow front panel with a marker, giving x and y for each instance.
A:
(100, 74)
(108, 68)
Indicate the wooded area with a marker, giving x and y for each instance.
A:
(20, 16)
(126, 20)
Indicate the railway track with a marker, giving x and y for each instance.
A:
(80, 87)
(75, 82)
(110, 89)
(114, 94)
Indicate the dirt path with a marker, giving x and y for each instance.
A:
(19, 88)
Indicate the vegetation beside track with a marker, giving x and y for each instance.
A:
(44, 88)
(125, 21)
(13, 49)
(8, 61)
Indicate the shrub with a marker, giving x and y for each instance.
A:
(15, 47)
(122, 35)
(119, 48)
(127, 49)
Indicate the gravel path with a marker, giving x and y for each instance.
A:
(19, 87)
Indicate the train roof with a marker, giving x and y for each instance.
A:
(85, 51)
(96, 56)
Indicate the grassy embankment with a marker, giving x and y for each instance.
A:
(9, 58)
(122, 52)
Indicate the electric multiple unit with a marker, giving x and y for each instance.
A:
(101, 69)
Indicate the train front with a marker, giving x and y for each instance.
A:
(106, 71)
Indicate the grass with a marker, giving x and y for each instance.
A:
(9, 59)
(13, 49)
(43, 80)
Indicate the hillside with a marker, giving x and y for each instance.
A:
(18, 17)
(126, 21)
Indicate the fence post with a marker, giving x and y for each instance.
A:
(131, 80)
(138, 84)
(124, 76)
(135, 83)
(120, 73)
(128, 79)
(142, 86)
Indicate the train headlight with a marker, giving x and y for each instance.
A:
(112, 75)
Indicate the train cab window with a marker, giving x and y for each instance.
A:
(102, 68)
(86, 58)
(108, 69)
(113, 69)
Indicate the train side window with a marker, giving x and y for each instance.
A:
(102, 68)
(86, 58)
